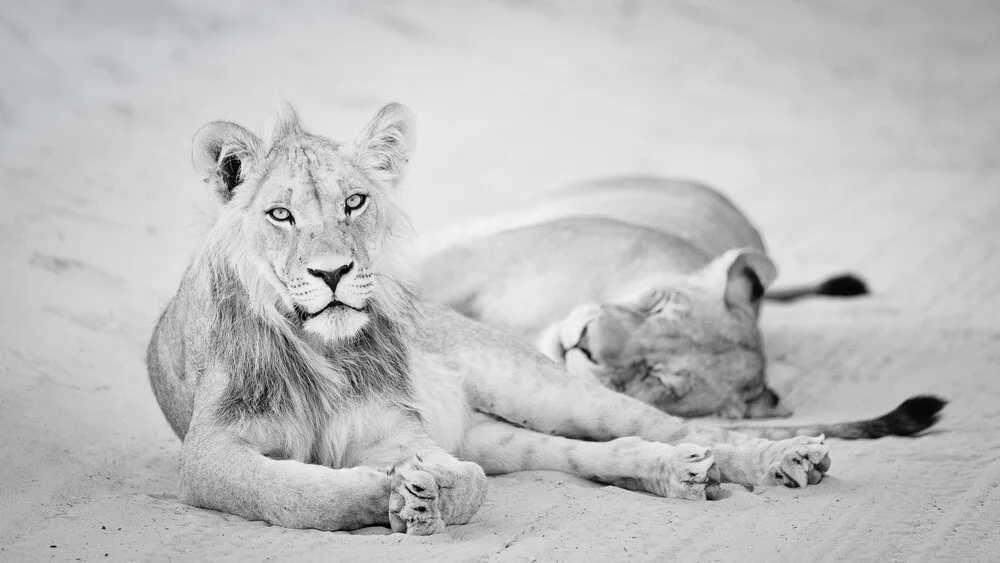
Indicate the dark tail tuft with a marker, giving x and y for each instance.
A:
(846, 285)
(914, 415)
(910, 418)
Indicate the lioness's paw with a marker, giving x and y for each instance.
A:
(414, 504)
(698, 474)
(798, 462)
(573, 326)
(677, 385)
(689, 472)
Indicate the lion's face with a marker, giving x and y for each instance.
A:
(684, 350)
(310, 219)
(316, 223)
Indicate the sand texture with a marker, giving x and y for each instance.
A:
(861, 136)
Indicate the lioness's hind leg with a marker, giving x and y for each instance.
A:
(432, 491)
(684, 471)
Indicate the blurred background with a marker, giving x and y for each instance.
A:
(860, 135)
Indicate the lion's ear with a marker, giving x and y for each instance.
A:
(383, 148)
(741, 275)
(222, 152)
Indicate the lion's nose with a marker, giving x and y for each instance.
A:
(332, 277)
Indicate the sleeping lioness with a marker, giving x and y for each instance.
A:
(651, 286)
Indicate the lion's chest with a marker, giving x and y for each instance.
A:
(366, 434)
(378, 433)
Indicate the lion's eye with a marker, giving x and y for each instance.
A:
(355, 202)
(280, 214)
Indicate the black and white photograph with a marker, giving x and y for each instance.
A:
(500, 280)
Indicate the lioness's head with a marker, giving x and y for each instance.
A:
(307, 223)
(690, 346)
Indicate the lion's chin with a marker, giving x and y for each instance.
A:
(336, 323)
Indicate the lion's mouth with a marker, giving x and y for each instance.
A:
(331, 306)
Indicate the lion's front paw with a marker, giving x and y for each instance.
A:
(414, 503)
(798, 461)
(427, 495)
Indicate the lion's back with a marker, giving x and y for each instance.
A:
(172, 361)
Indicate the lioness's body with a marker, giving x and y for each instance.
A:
(586, 252)
(573, 271)
(594, 242)
(688, 210)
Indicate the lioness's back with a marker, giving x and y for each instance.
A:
(690, 210)
(475, 276)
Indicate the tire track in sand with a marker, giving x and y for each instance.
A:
(860, 526)
(979, 498)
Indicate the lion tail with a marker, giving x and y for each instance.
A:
(844, 285)
(910, 418)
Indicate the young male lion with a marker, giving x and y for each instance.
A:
(311, 389)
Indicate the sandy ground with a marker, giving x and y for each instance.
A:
(857, 137)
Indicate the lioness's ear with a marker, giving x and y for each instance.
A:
(741, 275)
(222, 152)
(383, 148)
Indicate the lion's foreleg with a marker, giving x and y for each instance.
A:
(685, 471)
(219, 470)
